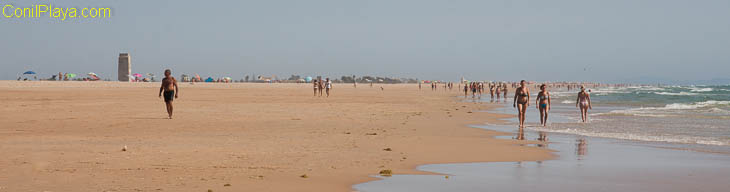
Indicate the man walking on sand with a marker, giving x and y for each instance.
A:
(169, 86)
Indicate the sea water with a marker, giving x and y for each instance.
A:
(685, 117)
(635, 141)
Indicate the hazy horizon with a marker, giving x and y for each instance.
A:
(653, 41)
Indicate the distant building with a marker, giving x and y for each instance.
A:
(125, 67)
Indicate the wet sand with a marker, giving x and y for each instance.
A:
(68, 136)
(584, 164)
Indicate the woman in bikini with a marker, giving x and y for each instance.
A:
(584, 103)
(521, 101)
(543, 104)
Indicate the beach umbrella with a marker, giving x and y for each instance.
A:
(70, 75)
(210, 79)
(137, 75)
(93, 76)
(29, 73)
(197, 77)
(308, 79)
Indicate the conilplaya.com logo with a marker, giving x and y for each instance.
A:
(38, 11)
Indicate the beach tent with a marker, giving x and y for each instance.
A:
(70, 75)
(29, 73)
(209, 79)
(308, 79)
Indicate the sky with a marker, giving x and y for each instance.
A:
(557, 40)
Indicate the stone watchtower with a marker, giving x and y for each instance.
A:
(125, 67)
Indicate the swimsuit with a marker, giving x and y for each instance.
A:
(584, 102)
(169, 95)
(523, 94)
(541, 98)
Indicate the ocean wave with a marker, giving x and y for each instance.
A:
(568, 102)
(630, 113)
(555, 94)
(639, 137)
(607, 91)
(663, 111)
(697, 104)
(649, 89)
(697, 89)
(676, 94)
(718, 110)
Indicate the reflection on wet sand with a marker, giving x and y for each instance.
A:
(580, 148)
(543, 138)
(520, 134)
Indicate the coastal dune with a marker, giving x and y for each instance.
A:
(70, 136)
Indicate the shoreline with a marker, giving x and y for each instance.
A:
(587, 162)
(251, 136)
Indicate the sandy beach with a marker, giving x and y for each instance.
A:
(69, 136)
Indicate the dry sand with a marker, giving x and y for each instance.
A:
(68, 136)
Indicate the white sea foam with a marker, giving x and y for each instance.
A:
(697, 89)
(674, 107)
(640, 137)
(608, 91)
(691, 106)
(718, 110)
(568, 102)
(676, 94)
(556, 94)
(650, 89)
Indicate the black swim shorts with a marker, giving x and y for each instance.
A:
(169, 95)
